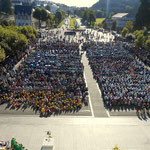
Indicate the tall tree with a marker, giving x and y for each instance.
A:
(105, 25)
(92, 17)
(44, 15)
(48, 8)
(114, 23)
(41, 15)
(129, 26)
(147, 43)
(58, 16)
(2, 54)
(124, 32)
(129, 9)
(143, 15)
(37, 15)
(140, 41)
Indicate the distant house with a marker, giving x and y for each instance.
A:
(40, 3)
(21, 2)
(122, 19)
(23, 15)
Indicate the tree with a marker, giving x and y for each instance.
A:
(21, 42)
(37, 15)
(129, 26)
(14, 39)
(6, 47)
(44, 14)
(129, 9)
(41, 15)
(124, 32)
(140, 41)
(105, 25)
(48, 8)
(138, 32)
(92, 17)
(114, 24)
(68, 12)
(5, 23)
(130, 37)
(63, 13)
(58, 17)
(100, 25)
(143, 15)
(2, 54)
(85, 15)
(89, 16)
(147, 43)
(6, 6)
(28, 31)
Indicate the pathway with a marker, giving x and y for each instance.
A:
(96, 101)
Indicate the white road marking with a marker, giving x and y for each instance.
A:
(89, 98)
(102, 99)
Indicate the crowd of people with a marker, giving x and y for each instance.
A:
(140, 53)
(123, 81)
(50, 80)
(8, 65)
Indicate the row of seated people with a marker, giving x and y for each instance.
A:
(49, 80)
(124, 82)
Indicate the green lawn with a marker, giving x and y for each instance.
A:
(72, 23)
(99, 21)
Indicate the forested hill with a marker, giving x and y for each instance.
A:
(117, 6)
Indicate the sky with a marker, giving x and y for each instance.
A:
(78, 3)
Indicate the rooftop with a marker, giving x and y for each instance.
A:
(119, 15)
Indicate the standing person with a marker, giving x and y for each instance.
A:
(13, 142)
(20, 147)
(137, 112)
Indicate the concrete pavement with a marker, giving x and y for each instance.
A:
(77, 133)
(95, 95)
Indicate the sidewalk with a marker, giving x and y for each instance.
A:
(96, 101)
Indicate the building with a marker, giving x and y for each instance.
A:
(122, 19)
(23, 15)
(40, 3)
(21, 2)
(16, 2)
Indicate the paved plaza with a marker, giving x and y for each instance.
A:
(78, 133)
(92, 128)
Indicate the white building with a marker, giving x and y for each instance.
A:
(23, 15)
(40, 3)
(122, 19)
(21, 2)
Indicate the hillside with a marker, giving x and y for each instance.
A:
(116, 6)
